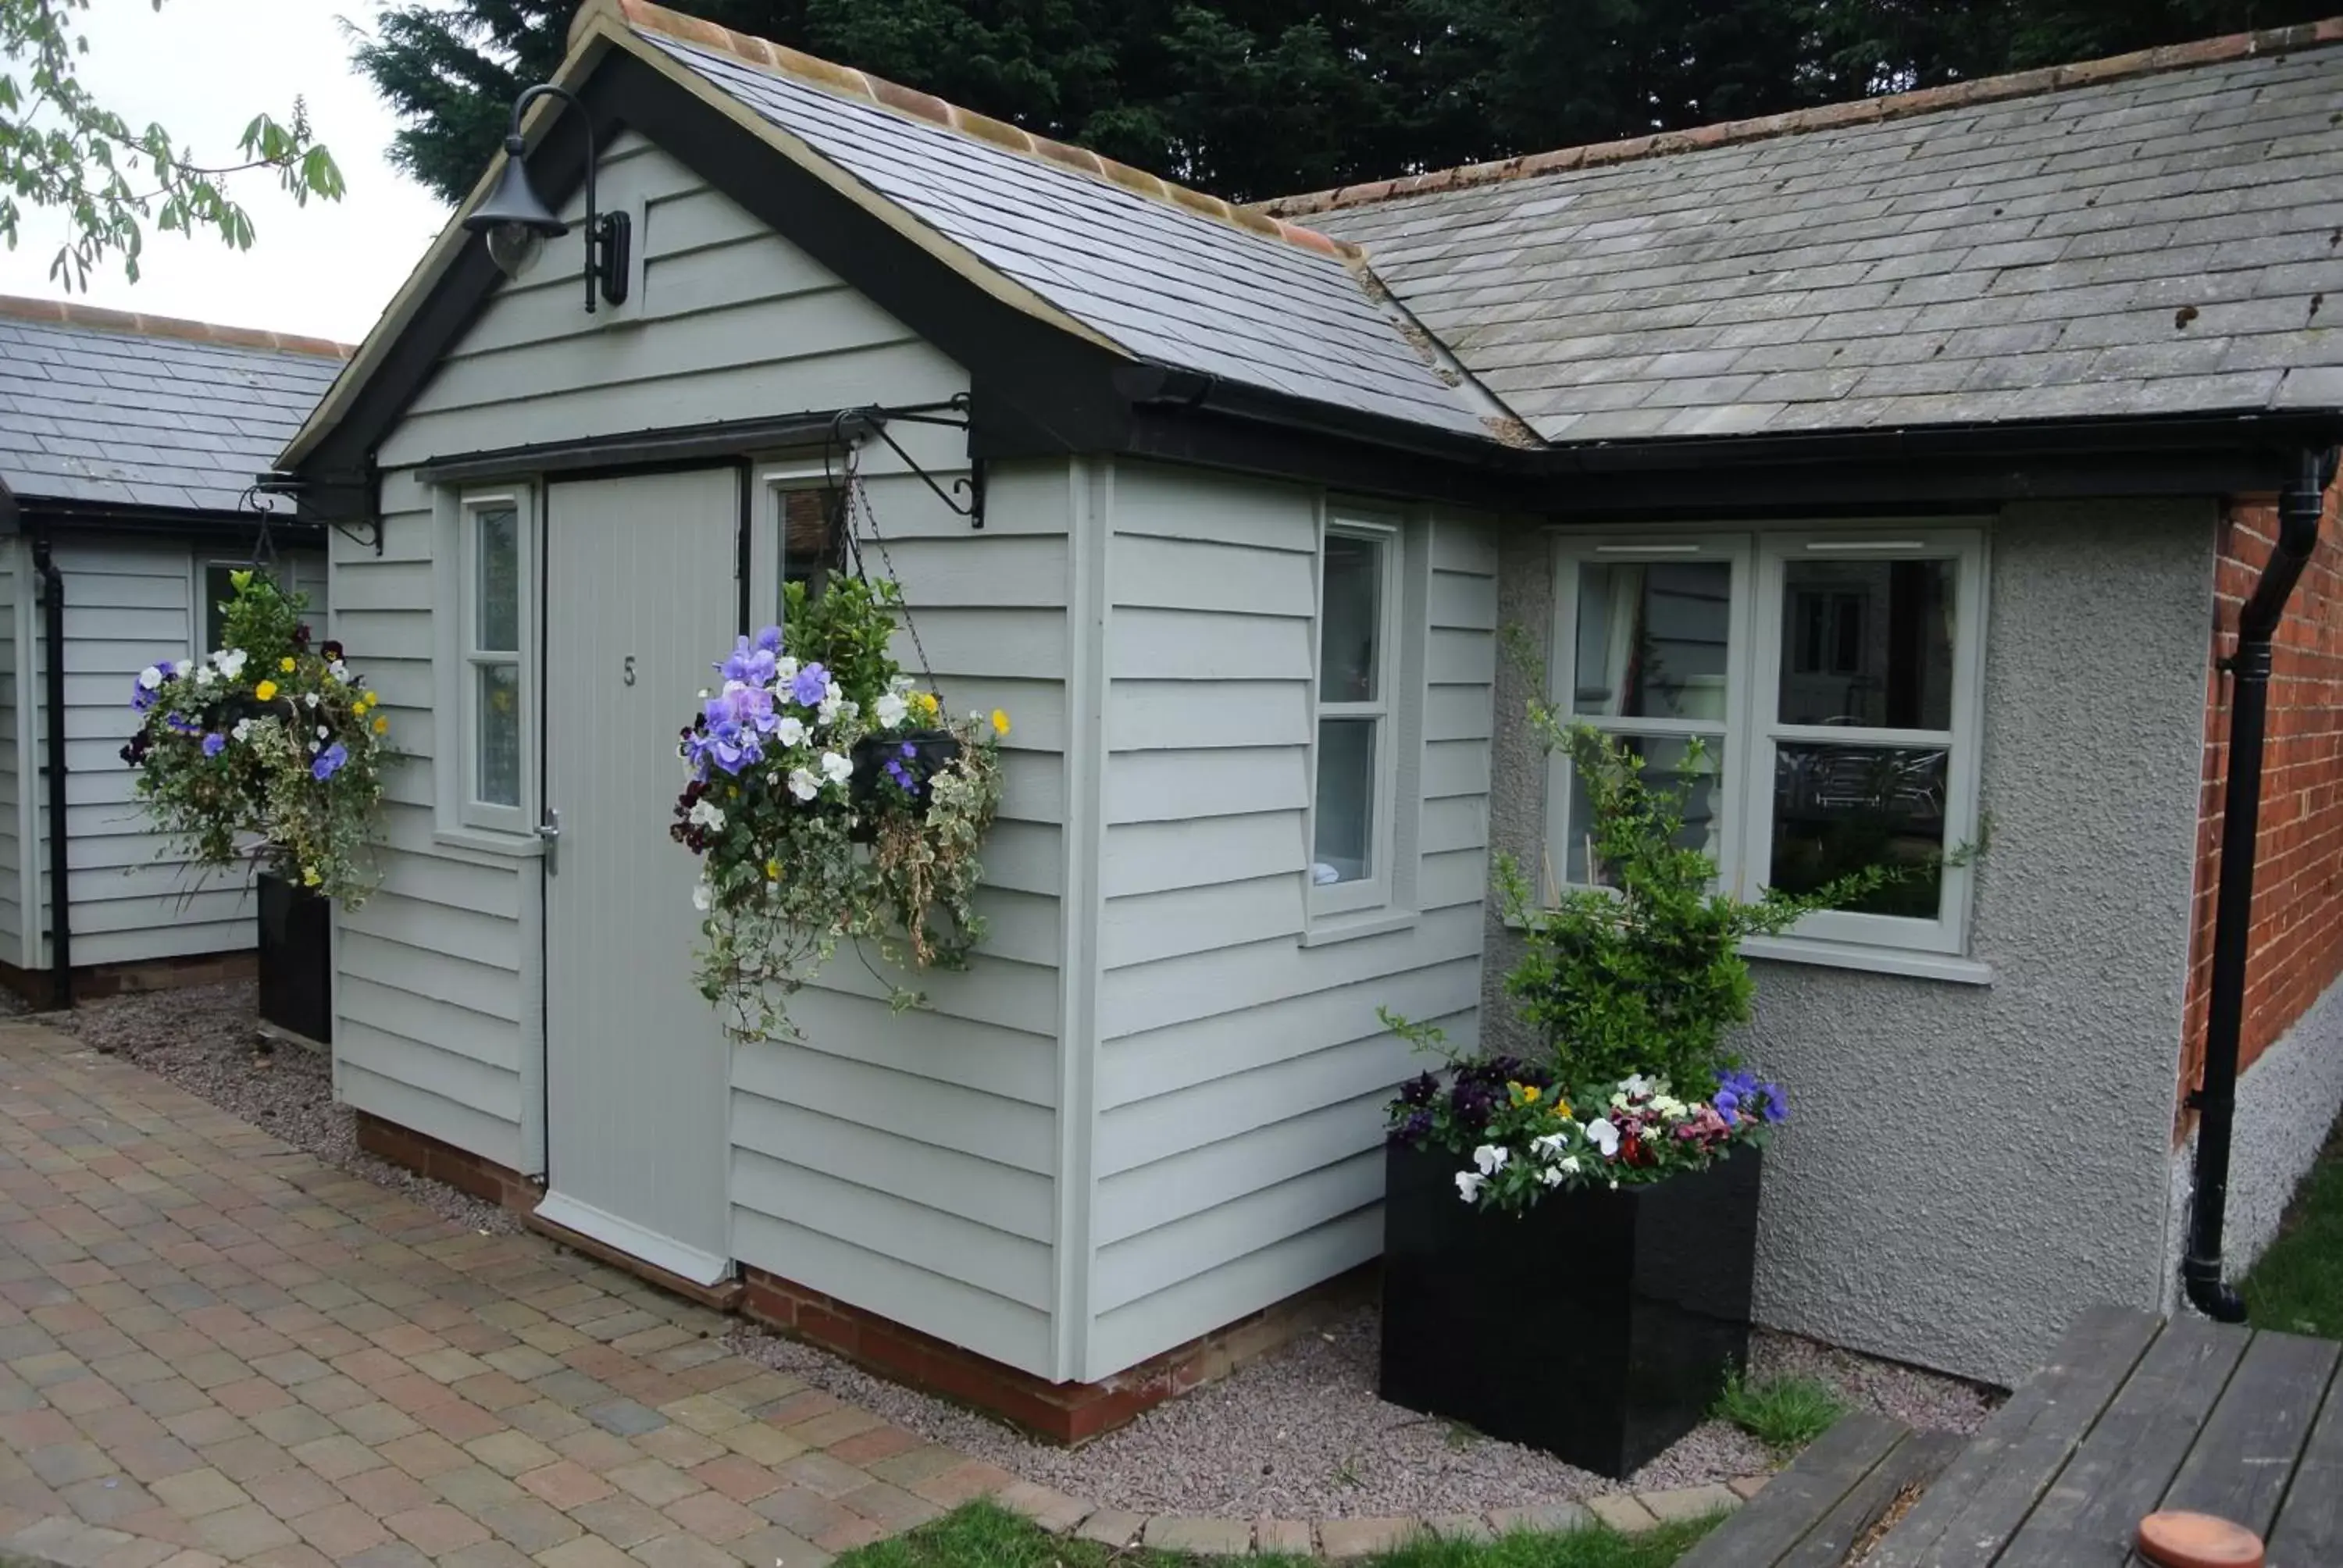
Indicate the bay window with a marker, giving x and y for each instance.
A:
(1830, 679)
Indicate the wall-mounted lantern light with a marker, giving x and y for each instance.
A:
(517, 223)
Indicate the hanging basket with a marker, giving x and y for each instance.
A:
(917, 756)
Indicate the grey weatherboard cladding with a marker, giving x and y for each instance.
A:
(2165, 244)
(1166, 285)
(111, 418)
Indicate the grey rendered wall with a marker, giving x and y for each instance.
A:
(1968, 1166)
(128, 603)
(904, 1164)
(1240, 1071)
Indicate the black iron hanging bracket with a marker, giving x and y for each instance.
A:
(366, 533)
(966, 496)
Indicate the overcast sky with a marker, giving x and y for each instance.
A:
(204, 68)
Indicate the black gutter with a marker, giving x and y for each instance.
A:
(53, 679)
(2215, 1100)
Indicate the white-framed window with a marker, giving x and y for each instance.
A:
(496, 732)
(1354, 761)
(1832, 677)
(798, 533)
(213, 588)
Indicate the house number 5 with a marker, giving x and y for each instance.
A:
(627, 673)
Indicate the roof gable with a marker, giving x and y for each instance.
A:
(2158, 240)
(103, 407)
(1111, 259)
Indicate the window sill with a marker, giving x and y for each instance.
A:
(1350, 927)
(1947, 966)
(487, 842)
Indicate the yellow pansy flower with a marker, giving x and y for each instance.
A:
(1000, 722)
(928, 701)
(381, 726)
(265, 690)
(285, 664)
(772, 870)
(309, 876)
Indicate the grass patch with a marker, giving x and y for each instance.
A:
(985, 1535)
(2297, 1285)
(1784, 1413)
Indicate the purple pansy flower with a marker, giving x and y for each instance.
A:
(214, 743)
(329, 762)
(728, 744)
(750, 663)
(811, 685)
(770, 640)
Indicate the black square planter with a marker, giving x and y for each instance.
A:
(296, 958)
(1598, 1326)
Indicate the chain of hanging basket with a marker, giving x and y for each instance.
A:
(264, 542)
(858, 505)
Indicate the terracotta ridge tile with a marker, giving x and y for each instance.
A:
(74, 312)
(1824, 117)
(848, 81)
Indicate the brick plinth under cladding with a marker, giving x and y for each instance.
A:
(38, 987)
(2297, 944)
(1066, 1412)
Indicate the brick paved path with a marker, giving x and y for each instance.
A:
(214, 1348)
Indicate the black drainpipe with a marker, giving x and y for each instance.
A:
(2248, 666)
(53, 681)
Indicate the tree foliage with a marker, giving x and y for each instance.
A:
(62, 150)
(1252, 98)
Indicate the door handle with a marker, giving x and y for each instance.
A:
(549, 830)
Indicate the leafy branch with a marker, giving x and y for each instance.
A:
(62, 150)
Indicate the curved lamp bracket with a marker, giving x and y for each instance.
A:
(516, 221)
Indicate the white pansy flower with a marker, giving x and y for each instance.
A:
(803, 784)
(849, 709)
(316, 747)
(1491, 1159)
(784, 671)
(230, 661)
(1668, 1105)
(243, 729)
(205, 675)
(706, 813)
(1551, 1175)
(790, 730)
(888, 710)
(1468, 1185)
(827, 712)
(703, 694)
(1549, 1145)
(836, 769)
(1638, 1086)
(150, 678)
(323, 732)
(338, 670)
(702, 895)
(311, 699)
(1568, 1165)
(832, 692)
(1605, 1136)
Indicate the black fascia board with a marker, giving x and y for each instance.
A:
(36, 515)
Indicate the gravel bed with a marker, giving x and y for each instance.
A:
(207, 1040)
(1299, 1434)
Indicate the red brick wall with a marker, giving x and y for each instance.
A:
(2297, 931)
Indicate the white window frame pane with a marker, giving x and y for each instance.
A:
(471, 811)
(768, 545)
(1572, 555)
(1965, 547)
(1374, 890)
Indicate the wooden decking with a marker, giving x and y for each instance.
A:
(2133, 1413)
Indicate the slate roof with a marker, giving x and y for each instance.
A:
(1170, 276)
(2157, 233)
(103, 405)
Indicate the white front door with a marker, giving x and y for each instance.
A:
(641, 596)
